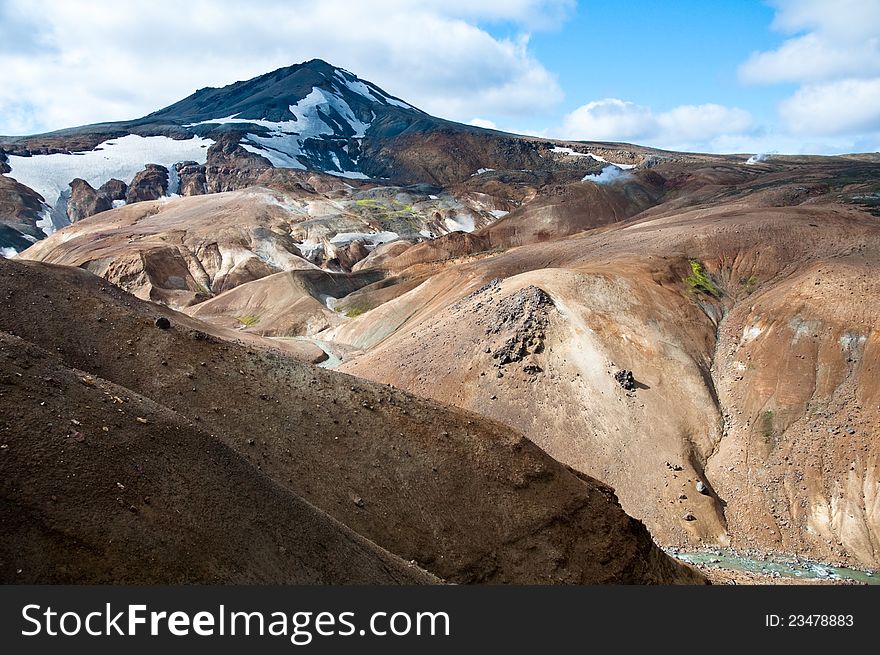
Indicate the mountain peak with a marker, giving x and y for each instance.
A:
(273, 96)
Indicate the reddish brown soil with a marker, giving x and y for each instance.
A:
(465, 498)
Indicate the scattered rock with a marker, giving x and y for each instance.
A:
(702, 488)
(524, 312)
(625, 379)
(163, 323)
(689, 517)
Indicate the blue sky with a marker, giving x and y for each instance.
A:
(725, 76)
(664, 55)
(659, 53)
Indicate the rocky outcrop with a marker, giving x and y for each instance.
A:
(150, 184)
(349, 255)
(522, 315)
(193, 181)
(625, 379)
(20, 209)
(114, 189)
(230, 167)
(85, 201)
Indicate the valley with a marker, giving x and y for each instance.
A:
(546, 361)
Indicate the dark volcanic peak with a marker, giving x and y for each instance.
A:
(311, 117)
(274, 96)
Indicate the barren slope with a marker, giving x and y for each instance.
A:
(617, 298)
(468, 499)
(101, 485)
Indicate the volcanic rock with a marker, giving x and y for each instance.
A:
(114, 189)
(193, 181)
(85, 201)
(150, 184)
(625, 379)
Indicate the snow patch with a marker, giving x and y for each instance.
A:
(480, 171)
(498, 213)
(310, 248)
(372, 238)
(373, 94)
(567, 151)
(573, 153)
(118, 203)
(352, 175)
(122, 158)
(173, 182)
(317, 114)
(8, 253)
(44, 222)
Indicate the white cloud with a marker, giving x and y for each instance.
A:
(812, 57)
(80, 62)
(687, 127)
(833, 52)
(609, 119)
(482, 122)
(841, 107)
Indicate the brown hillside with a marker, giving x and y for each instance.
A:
(467, 499)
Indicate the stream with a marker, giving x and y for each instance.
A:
(778, 566)
(332, 361)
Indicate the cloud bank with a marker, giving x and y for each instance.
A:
(833, 53)
(685, 127)
(68, 62)
(830, 50)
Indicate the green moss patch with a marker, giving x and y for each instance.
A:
(699, 280)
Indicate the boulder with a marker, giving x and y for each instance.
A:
(625, 379)
(193, 181)
(349, 255)
(85, 201)
(114, 189)
(150, 184)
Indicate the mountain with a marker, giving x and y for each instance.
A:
(695, 330)
(311, 117)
